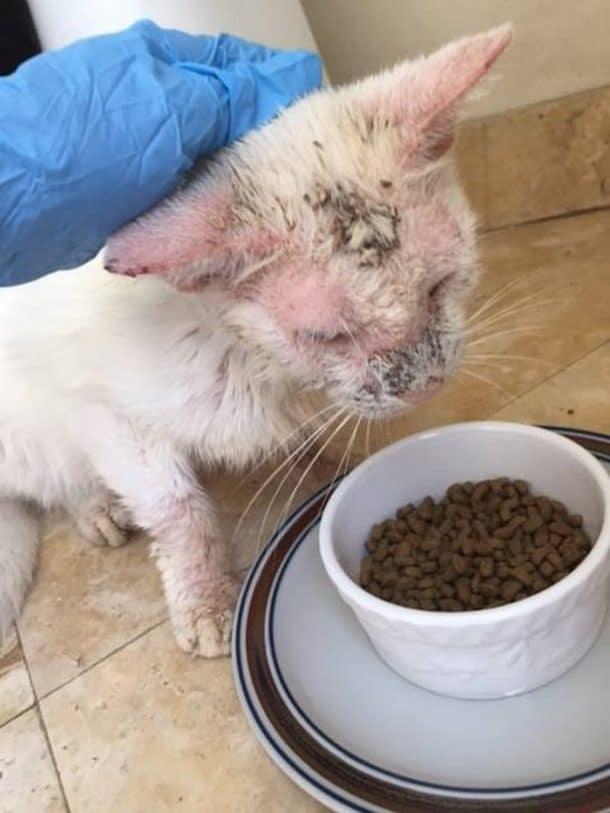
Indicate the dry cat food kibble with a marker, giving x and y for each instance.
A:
(482, 545)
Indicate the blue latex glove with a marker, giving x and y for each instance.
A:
(96, 133)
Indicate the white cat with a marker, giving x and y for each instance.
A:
(331, 250)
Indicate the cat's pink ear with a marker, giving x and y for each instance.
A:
(424, 96)
(188, 239)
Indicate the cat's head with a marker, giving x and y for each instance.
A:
(339, 232)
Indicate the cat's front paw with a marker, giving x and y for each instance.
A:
(104, 521)
(204, 628)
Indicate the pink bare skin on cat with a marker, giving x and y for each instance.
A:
(304, 302)
(330, 252)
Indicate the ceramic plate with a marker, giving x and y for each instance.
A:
(359, 738)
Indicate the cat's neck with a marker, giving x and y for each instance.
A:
(257, 407)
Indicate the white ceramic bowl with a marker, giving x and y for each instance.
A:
(485, 653)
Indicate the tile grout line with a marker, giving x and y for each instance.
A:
(102, 659)
(551, 218)
(485, 130)
(52, 756)
(551, 376)
(572, 96)
(19, 714)
(41, 722)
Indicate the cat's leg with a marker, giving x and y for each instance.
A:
(193, 562)
(160, 489)
(19, 533)
(191, 558)
(101, 518)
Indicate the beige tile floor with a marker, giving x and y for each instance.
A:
(511, 161)
(98, 709)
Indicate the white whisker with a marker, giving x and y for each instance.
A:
(258, 266)
(282, 444)
(508, 332)
(310, 466)
(499, 295)
(508, 356)
(486, 380)
(290, 461)
(345, 458)
(368, 437)
(505, 314)
(288, 473)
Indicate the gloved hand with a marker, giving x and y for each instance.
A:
(96, 133)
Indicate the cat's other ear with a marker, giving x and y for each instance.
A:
(189, 239)
(423, 97)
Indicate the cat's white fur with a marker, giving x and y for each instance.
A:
(106, 381)
(111, 388)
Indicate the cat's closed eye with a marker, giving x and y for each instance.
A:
(316, 336)
(439, 288)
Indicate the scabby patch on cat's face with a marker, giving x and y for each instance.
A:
(361, 225)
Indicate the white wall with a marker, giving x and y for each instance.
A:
(279, 23)
(561, 46)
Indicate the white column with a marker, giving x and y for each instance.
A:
(278, 23)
